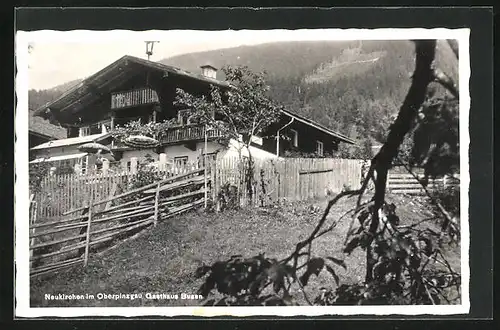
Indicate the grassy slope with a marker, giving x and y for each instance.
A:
(164, 259)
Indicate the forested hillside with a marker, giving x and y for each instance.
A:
(37, 98)
(354, 87)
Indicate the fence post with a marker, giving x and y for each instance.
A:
(133, 165)
(33, 211)
(157, 197)
(87, 238)
(213, 168)
(78, 169)
(162, 162)
(105, 166)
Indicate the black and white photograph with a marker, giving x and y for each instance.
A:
(291, 172)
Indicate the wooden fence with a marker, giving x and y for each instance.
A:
(406, 183)
(61, 193)
(289, 178)
(273, 180)
(103, 223)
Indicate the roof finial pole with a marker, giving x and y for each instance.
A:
(149, 47)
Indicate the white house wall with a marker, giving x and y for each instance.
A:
(139, 154)
(257, 153)
(172, 152)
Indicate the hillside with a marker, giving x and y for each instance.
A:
(354, 87)
(351, 86)
(37, 98)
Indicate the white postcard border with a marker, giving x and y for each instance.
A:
(21, 194)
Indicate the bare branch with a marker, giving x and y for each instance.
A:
(428, 293)
(446, 81)
(447, 216)
(305, 242)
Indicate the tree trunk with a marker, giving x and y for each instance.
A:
(422, 76)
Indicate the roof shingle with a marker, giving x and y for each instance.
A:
(44, 127)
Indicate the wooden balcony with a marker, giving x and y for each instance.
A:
(133, 98)
(187, 133)
(181, 134)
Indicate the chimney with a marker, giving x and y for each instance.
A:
(209, 71)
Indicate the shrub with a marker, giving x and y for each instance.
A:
(449, 198)
(228, 197)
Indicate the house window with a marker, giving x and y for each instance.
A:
(181, 161)
(295, 138)
(84, 131)
(319, 148)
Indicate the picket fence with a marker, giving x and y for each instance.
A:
(61, 193)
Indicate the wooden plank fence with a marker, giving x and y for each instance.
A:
(406, 183)
(288, 178)
(273, 180)
(69, 240)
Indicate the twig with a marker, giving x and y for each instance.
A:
(416, 224)
(448, 218)
(428, 293)
(333, 225)
(428, 260)
(437, 290)
(355, 216)
(446, 81)
(303, 291)
(452, 272)
(367, 179)
(303, 243)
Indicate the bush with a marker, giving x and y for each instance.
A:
(449, 198)
(228, 197)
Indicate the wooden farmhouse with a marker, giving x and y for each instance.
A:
(135, 89)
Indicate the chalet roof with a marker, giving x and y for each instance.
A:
(72, 141)
(43, 127)
(322, 128)
(110, 77)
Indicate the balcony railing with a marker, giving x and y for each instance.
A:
(180, 134)
(133, 98)
(188, 133)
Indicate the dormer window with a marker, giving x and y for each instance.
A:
(209, 71)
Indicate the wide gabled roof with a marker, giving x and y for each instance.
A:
(322, 128)
(43, 127)
(72, 141)
(110, 76)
